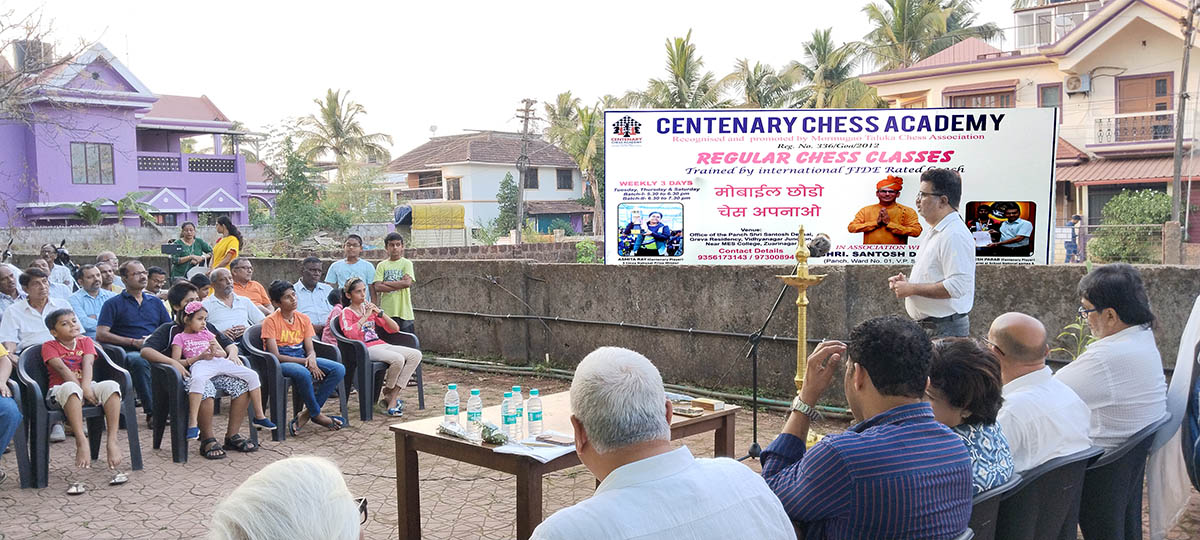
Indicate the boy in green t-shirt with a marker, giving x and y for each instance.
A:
(393, 280)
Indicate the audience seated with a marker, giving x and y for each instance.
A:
(335, 301)
(229, 312)
(1042, 418)
(69, 358)
(1120, 375)
(10, 413)
(203, 285)
(288, 335)
(88, 300)
(964, 391)
(24, 322)
(157, 349)
(10, 293)
(58, 273)
(110, 280)
(362, 320)
(312, 294)
(621, 418)
(57, 290)
(298, 498)
(242, 271)
(898, 473)
(127, 319)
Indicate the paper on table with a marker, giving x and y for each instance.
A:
(544, 454)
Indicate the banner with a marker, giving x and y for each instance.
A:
(732, 186)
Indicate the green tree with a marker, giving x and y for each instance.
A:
(687, 85)
(1131, 244)
(358, 195)
(584, 142)
(828, 75)
(337, 130)
(507, 197)
(561, 117)
(297, 196)
(908, 31)
(760, 87)
(88, 211)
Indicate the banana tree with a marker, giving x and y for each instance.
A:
(89, 211)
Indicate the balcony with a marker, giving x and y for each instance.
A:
(1043, 22)
(194, 163)
(1137, 134)
(421, 194)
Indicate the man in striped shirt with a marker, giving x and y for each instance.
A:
(898, 473)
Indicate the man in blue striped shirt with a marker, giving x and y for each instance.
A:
(898, 473)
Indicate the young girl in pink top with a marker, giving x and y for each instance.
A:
(198, 350)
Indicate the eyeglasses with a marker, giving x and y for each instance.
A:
(992, 345)
(1084, 311)
(362, 509)
(922, 194)
(887, 191)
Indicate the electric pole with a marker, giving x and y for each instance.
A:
(1176, 184)
(525, 114)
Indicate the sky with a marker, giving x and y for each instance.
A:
(454, 65)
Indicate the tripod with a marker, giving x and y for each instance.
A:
(755, 450)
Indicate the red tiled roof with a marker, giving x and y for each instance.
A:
(483, 147)
(1068, 151)
(556, 207)
(258, 172)
(186, 108)
(1122, 171)
(964, 51)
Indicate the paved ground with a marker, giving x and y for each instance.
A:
(169, 500)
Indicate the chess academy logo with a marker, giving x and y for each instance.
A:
(626, 131)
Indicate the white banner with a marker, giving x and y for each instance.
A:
(732, 186)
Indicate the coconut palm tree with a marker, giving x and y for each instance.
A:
(828, 73)
(337, 130)
(761, 87)
(561, 116)
(908, 31)
(687, 85)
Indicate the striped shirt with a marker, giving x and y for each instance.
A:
(900, 474)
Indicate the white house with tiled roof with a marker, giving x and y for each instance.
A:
(1111, 67)
(467, 169)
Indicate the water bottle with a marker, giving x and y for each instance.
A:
(451, 404)
(508, 416)
(520, 400)
(474, 412)
(534, 424)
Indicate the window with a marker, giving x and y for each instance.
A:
(1160, 88)
(210, 218)
(531, 178)
(919, 104)
(91, 163)
(1002, 99)
(454, 189)
(1050, 95)
(565, 179)
(162, 219)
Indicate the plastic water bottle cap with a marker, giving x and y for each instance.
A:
(508, 394)
(516, 389)
(533, 392)
(474, 391)
(452, 386)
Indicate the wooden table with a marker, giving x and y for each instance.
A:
(422, 435)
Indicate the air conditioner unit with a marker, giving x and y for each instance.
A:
(1078, 84)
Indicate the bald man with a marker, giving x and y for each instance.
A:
(1041, 417)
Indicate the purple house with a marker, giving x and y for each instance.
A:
(92, 129)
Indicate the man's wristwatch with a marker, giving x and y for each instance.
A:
(801, 407)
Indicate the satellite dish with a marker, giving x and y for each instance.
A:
(432, 130)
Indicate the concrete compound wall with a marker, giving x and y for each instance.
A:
(732, 299)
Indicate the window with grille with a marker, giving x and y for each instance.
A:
(565, 179)
(531, 178)
(1002, 99)
(454, 189)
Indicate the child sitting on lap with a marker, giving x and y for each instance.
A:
(198, 350)
(69, 358)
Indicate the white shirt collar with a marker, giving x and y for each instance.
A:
(1033, 378)
(648, 470)
(946, 221)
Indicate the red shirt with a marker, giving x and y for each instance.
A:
(72, 358)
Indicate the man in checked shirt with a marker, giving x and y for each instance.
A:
(897, 473)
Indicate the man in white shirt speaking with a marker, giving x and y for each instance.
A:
(647, 489)
(941, 289)
(1041, 417)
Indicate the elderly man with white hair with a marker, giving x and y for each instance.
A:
(622, 422)
(299, 498)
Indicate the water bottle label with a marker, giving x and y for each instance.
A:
(452, 410)
(535, 416)
(520, 411)
(510, 419)
(474, 416)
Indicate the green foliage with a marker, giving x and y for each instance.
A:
(259, 213)
(358, 195)
(337, 130)
(586, 252)
(487, 233)
(905, 32)
(1076, 336)
(565, 225)
(1131, 244)
(88, 211)
(297, 210)
(530, 235)
(507, 197)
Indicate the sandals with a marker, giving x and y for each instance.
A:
(76, 488)
(239, 443)
(211, 449)
(398, 410)
(336, 423)
(118, 478)
(293, 428)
